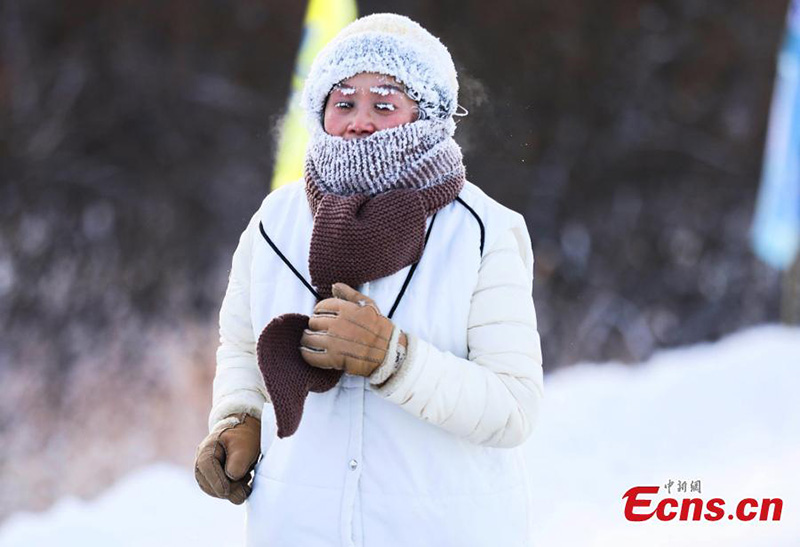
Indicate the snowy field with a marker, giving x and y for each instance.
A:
(726, 414)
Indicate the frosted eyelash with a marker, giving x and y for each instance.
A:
(386, 106)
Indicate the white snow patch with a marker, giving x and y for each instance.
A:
(160, 505)
(727, 414)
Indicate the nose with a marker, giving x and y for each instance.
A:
(361, 125)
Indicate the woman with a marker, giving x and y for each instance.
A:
(394, 413)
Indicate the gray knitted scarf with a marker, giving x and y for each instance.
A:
(370, 199)
(414, 155)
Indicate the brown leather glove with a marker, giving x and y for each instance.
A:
(346, 333)
(225, 458)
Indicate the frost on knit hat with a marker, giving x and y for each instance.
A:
(389, 44)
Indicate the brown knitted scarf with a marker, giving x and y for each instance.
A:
(355, 239)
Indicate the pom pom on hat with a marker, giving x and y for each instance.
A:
(389, 44)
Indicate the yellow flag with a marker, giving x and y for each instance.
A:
(324, 19)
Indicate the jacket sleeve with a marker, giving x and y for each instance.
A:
(238, 383)
(493, 397)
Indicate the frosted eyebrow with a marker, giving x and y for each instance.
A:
(346, 89)
(385, 90)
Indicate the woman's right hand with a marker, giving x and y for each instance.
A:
(226, 458)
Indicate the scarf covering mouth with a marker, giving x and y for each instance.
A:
(415, 155)
(370, 199)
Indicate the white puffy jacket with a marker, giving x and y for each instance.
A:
(427, 450)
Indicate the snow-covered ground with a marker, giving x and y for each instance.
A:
(726, 414)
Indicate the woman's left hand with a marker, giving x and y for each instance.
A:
(346, 332)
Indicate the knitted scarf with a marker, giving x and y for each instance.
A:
(370, 200)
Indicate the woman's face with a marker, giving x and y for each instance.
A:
(365, 103)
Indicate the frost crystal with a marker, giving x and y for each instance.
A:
(346, 90)
(383, 90)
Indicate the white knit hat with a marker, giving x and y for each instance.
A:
(389, 44)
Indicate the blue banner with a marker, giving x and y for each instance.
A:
(776, 226)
